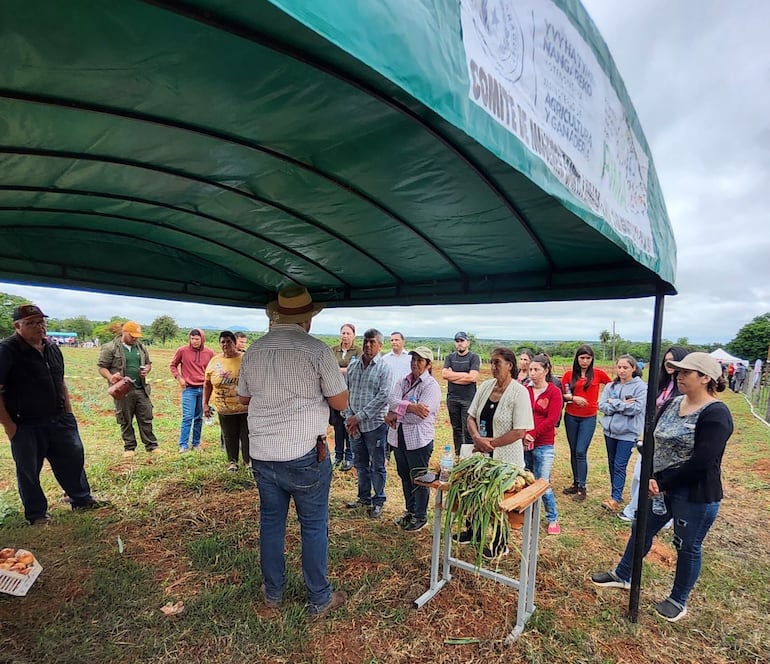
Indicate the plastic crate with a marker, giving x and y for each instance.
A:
(13, 583)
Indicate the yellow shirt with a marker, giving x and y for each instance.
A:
(222, 372)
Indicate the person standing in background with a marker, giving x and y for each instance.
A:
(413, 404)
(498, 419)
(36, 414)
(546, 400)
(345, 352)
(622, 403)
(126, 356)
(221, 382)
(241, 342)
(740, 376)
(691, 433)
(188, 367)
(667, 390)
(580, 386)
(397, 359)
(525, 357)
(461, 371)
(369, 384)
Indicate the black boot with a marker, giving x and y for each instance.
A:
(571, 490)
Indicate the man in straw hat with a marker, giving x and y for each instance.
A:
(289, 380)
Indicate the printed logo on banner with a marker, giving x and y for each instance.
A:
(536, 76)
(499, 33)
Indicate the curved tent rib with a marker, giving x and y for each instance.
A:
(182, 211)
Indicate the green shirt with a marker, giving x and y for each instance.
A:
(133, 362)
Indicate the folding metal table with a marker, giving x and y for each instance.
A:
(526, 501)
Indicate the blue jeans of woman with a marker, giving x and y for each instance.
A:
(411, 464)
(580, 431)
(192, 416)
(540, 461)
(307, 481)
(618, 454)
(369, 451)
(692, 522)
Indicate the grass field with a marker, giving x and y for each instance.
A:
(183, 529)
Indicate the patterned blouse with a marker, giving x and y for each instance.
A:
(674, 436)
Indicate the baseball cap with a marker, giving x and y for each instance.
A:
(27, 311)
(134, 329)
(461, 335)
(424, 352)
(702, 362)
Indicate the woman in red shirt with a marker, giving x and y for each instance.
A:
(581, 394)
(546, 402)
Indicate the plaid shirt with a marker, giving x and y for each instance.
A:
(369, 388)
(417, 432)
(288, 374)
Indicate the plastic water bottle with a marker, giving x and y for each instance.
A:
(447, 463)
(659, 505)
(482, 428)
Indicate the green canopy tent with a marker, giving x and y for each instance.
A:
(378, 153)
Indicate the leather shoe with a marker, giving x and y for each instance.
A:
(355, 504)
(337, 599)
(375, 511)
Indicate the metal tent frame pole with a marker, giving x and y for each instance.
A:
(640, 527)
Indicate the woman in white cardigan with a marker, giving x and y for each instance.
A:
(501, 413)
(498, 417)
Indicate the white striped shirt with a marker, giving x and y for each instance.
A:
(288, 374)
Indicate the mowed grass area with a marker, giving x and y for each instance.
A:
(183, 529)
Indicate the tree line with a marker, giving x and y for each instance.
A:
(750, 343)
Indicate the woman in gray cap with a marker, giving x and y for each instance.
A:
(413, 403)
(691, 433)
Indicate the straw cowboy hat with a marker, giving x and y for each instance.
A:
(294, 305)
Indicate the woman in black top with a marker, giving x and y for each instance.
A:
(690, 438)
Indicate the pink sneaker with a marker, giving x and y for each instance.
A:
(554, 528)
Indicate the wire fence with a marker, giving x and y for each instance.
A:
(756, 388)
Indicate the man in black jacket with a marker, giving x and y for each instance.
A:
(36, 413)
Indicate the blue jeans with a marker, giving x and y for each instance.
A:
(58, 441)
(540, 461)
(692, 522)
(306, 481)
(580, 431)
(369, 451)
(411, 464)
(618, 454)
(192, 416)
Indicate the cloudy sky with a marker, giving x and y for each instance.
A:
(697, 72)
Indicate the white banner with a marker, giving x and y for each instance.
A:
(532, 72)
